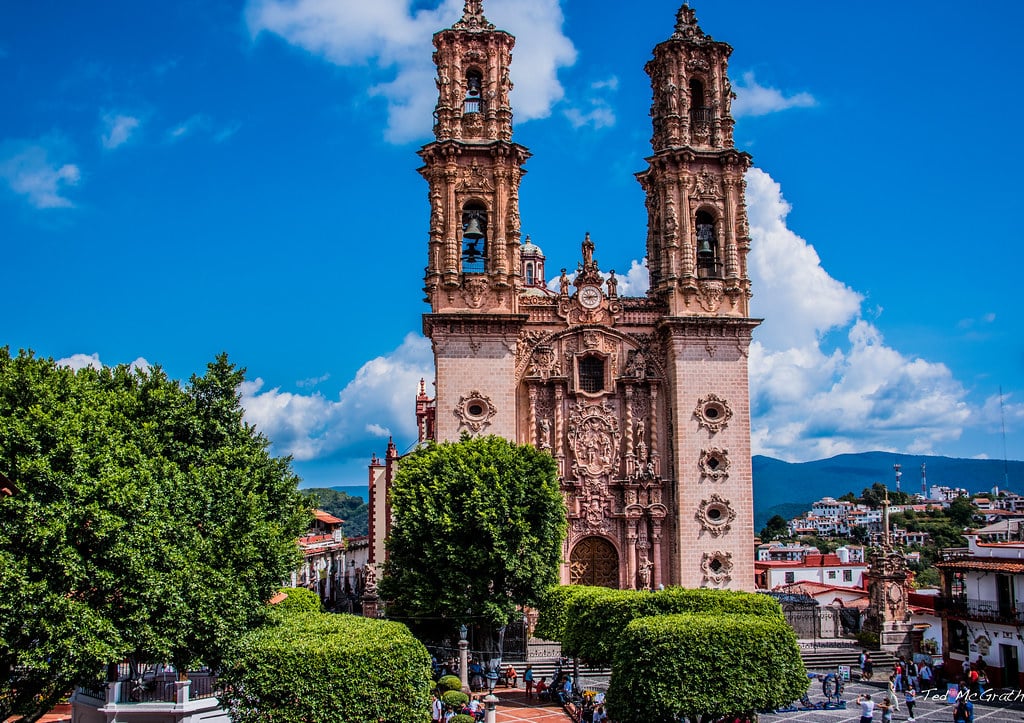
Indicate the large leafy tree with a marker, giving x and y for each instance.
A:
(150, 523)
(477, 531)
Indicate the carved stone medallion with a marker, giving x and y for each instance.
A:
(593, 437)
(717, 567)
(713, 412)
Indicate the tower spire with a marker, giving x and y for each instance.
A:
(473, 17)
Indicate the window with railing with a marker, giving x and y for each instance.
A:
(591, 374)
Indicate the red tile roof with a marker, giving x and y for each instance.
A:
(989, 565)
(326, 518)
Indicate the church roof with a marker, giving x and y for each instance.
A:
(529, 248)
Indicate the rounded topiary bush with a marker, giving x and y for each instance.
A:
(454, 698)
(449, 682)
(462, 718)
(299, 600)
(327, 668)
(668, 667)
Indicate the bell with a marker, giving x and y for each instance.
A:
(473, 232)
(704, 249)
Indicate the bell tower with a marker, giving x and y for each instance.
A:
(474, 171)
(697, 237)
(474, 272)
(697, 245)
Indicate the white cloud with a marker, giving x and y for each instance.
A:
(313, 381)
(81, 361)
(595, 109)
(198, 122)
(388, 37)
(636, 281)
(26, 168)
(753, 99)
(377, 401)
(118, 129)
(814, 398)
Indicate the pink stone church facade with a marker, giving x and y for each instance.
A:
(643, 401)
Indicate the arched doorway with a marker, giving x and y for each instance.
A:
(594, 561)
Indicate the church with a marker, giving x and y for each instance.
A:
(642, 401)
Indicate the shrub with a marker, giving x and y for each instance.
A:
(328, 668)
(867, 639)
(595, 618)
(299, 600)
(449, 682)
(553, 607)
(691, 665)
(463, 718)
(454, 698)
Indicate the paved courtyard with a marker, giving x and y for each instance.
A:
(932, 707)
(514, 708)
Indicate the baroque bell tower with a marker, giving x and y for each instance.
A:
(697, 245)
(473, 274)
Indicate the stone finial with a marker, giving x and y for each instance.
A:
(686, 24)
(473, 17)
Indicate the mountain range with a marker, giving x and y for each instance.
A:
(789, 488)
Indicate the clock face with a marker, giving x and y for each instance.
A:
(590, 296)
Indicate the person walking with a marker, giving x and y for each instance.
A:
(528, 681)
(910, 698)
(886, 708)
(869, 667)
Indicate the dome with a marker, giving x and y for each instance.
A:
(529, 248)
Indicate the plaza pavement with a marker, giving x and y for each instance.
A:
(514, 708)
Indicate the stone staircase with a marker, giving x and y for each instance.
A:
(822, 659)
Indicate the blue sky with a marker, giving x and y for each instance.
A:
(180, 179)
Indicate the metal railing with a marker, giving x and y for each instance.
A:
(704, 114)
(980, 610)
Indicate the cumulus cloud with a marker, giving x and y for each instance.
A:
(812, 397)
(636, 281)
(753, 99)
(395, 41)
(27, 169)
(81, 361)
(118, 128)
(377, 401)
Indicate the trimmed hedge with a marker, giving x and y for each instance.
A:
(691, 665)
(554, 610)
(462, 718)
(454, 698)
(595, 619)
(328, 668)
(449, 682)
(299, 600)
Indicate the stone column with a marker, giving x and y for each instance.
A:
(533, 415)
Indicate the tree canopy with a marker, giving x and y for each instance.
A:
(477, 530)
(776, 528)
(151, 522)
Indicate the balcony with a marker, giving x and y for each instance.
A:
(990, 611)
(702, 115)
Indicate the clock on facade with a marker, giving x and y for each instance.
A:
(590, 297)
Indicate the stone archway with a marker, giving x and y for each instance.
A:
(594, 561)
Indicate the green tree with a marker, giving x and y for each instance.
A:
(961, 512)
(477, 531)
(776, 528)
(310, 666)
(151, 523)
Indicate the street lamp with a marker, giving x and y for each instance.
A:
(464, 658)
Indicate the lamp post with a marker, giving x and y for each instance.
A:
(464, 659)
(491, 700)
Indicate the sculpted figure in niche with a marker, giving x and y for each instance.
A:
(545, 434)
(645, 574)
(563, 283)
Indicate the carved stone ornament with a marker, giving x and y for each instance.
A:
(593, 437)
(711, 292)
(708, 186)
(715, 515)
(475, 411)
(717, 567)
(714, 463)
(713, 412)
(545, 362)
(474, 292)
